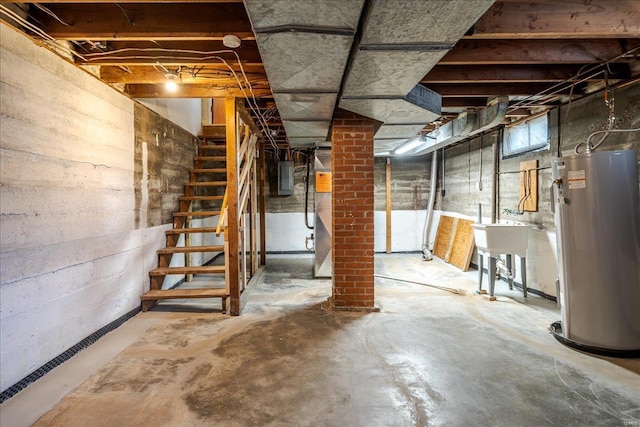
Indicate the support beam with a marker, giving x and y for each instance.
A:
(388, 203)
(464, 102)
(560, 19)
(169, 52)
(511, 73)
(352, 204)
(132, 1)
(190, 91)
(136, 21)
(232, 230)
(587, 51)
(489, 89)
(151, 75)
(261, 202)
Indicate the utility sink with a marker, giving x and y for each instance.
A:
(497, 239)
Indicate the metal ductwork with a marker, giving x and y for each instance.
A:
(306, 45)
(465, 126)
(399, 44)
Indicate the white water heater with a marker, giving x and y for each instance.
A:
(597, 213)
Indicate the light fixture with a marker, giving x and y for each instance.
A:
(410, 145)
(172, 81)
(231, 41)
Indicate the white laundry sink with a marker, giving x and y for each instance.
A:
(497, 239)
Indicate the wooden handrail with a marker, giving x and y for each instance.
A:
(223, 213)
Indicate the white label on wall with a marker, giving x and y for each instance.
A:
(577, 179)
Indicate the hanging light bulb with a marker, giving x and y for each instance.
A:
(172, 81)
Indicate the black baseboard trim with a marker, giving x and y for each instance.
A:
(66, 355)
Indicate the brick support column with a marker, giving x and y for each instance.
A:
(353, 208)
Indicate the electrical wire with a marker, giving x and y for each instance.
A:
(208, 55)
(14, 16)
(50, 13)
(578, 78)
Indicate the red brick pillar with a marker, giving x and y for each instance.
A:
(352, 211)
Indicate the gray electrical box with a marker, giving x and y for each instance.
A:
(285, 178)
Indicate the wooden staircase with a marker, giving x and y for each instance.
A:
(203, 198)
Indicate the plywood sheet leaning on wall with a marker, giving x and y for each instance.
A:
(454, 241)
(443, 237)
(462, 244)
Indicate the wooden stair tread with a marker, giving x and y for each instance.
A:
(209, 170)
(186, 249)
(197, 213)
(191, 230)
(185, 293)
(205, 269)
(213, 147)
(188, 198)
(205, 183)
(211, 158)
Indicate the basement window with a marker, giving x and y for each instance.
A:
(532, 135)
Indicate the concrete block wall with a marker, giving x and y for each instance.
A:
(74, 253)
(352, 237)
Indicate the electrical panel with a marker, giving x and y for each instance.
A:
(285, 178)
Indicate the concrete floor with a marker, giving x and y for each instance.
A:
(429, 357)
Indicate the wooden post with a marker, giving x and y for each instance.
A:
(388, 176)
(495, 151)
(232, 207)
(263, 242)
(254, 212)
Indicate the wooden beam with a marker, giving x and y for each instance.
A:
(246, 117)
(131, 1)
(145, 74)
(168, 52)
(459, 102)
(190, 91)
(150, 75)
(136, 21)
(489, 89)
(261, 202)
(388, 203)
(587, 51)
(560, 19)
(510, 73)
(232, 230)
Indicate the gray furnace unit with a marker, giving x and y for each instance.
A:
(322, 224)
(597, 213)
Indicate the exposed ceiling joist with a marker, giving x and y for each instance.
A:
(524, 51)
(200, 75)
(135, 21)
(175, 52)
(559, 19)
(517, 48)
(192, 91)
(132, 1)
(511, 73)
(488, 89)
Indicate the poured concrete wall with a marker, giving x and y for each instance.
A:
(77, 234)
(286, 230)
(185, 112)
(577, 121)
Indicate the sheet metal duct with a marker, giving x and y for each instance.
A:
(305, 46)
(399, 44)
(322, 223)
(465, 126)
